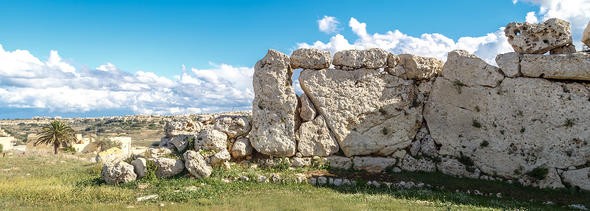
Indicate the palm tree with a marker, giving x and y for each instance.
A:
(56, 133)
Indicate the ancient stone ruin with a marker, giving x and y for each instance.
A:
(527, 120)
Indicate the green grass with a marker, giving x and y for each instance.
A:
(58, 183)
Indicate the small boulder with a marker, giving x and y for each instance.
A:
(410, 163)
(241, 148)
(183, 126)
(416, 67)
(168, 167)
(196, 164)
(310, 58)
(372, 164)
(211, 139)
(373, 58)
(158, 152)
(465, 69)
(117, 173)
(112, 155)
(140, 167)
(339, 162)
(233, 126)
(539, 38)
(219, 158)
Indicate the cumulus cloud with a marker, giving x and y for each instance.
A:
(531, 17)
(56, 85)
(574, 11)
(328, 24)
(428, 44)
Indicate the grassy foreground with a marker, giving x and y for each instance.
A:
(50, 182)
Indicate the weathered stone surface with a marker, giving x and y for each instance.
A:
(196, 164)
(158, 152)
(465, 69)
(274, 106)
(168, 167)
(310, 58)
(308, 112)
(300, 162)
(578, 178)
(410, 163)
(241, 148)
(373, 58)
(367, 111)
(563, 49)
(372, 164)
(184, 126)
(416, 67)
(455, 168)
(112, 155)
(392, 60)
(219, 158)
(233, 126)
(538, 38)
(339, 162)
(180, 142)
(574, 66)
(139, 167)
(116, 173)
(211, 139)
(521, 124)
(552, 180)
(314, 139)
(586, 35)
(509, 64)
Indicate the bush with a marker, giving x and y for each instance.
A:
(1, 148)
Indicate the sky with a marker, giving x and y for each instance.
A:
(90, 58)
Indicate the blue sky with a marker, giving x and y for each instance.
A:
(123, 57)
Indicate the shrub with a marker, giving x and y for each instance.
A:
(538, 173)
(1, 148)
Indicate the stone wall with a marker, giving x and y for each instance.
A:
(525, 121)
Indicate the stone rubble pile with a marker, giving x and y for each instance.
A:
(525, 121)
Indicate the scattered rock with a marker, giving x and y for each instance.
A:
(211, 139)
(168, 167)
(538, 38)
(416, 67)
(180, 142)
(241, 148)
(274, 106)
(412, 164)
(372, 164)
(310, 58)
(233, 126)
(196, 164)
(140, 167)
(300, 162)
(117, 173)
(339, 162)
(219, 158)
(148, 197)
(158, 152)
(455, 168)
(374, 58)
(183, 126)
(112, 155)
(574, 66)
(578, 206)
(314, 139)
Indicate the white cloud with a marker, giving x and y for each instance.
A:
(577, 12)
(328, 24)
(429, 44)
(27, 82)
(531, 17)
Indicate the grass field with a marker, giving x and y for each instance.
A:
(58, 182)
